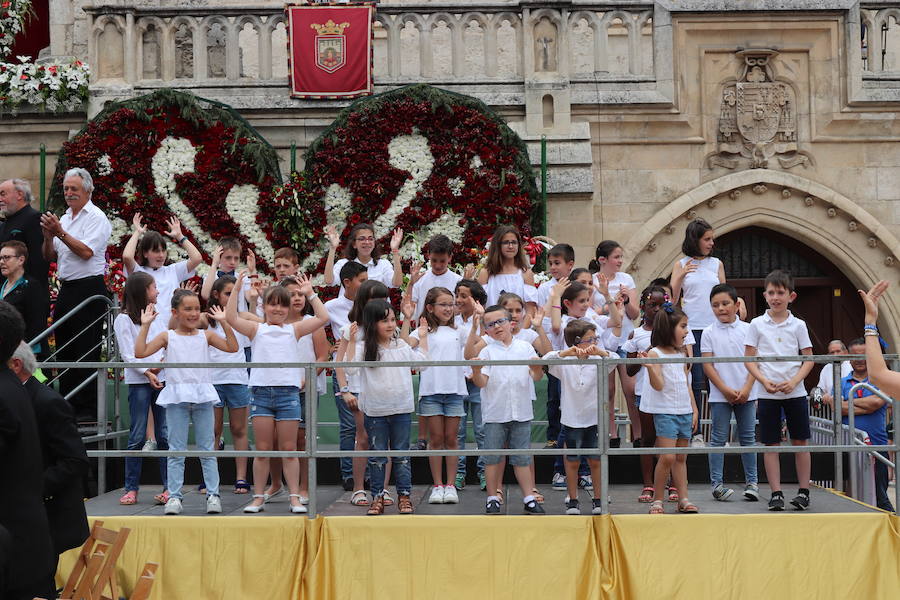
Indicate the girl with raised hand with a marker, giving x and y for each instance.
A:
(189, 394)
(508, 268)
(386, 396)
(363, 248)
(275, 404)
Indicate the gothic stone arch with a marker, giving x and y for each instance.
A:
(830, 223)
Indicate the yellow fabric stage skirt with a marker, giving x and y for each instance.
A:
(819, 556)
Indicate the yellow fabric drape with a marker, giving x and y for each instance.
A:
(514, 558)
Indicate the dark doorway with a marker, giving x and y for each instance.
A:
(826, 299)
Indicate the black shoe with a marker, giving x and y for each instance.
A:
(596, 508)
(493, 507)
(348, 484)
(572, 507)
(533, 508)
(800, 501)
(776, 502)
(615, 442)
(421, 445)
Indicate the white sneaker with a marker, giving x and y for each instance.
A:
(149, 446)
(437, 495)
(558, 482)
(173, 507)
(697, 441)
(213, 505)
(450, 495)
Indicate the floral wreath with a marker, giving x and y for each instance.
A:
(171, 153)
(422, 159)
(12, 21)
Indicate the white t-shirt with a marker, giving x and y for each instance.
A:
(227, 374)
(509, 282)
(381, 270)
(621, 279)
(510, 388)
(787, 338)
(542, 295)
(90, 227)
(338, 309)
(826, 377)
(276, 344)
(675, 397)
(578, 396)
(446, 343)
(640, 342)
(695, 290)
(429, 280)
(387, 390)
(167, 278)
(727, 339)
(126, 333)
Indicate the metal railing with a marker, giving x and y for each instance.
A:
(603, 366)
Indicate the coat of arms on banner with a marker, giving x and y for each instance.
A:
(331, 45)
(757, 118)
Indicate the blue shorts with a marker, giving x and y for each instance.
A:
(581, 437)
(447, 405)
(512, 434)
(232, 395)
(796, 413)
(282, 402)
(673, 427)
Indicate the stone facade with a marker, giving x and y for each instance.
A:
(739, 112)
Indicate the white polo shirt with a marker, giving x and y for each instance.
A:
(578, 396)
(787, 338)
(90, 227)
(338, 309)
(727, 339)
(826, 377)
(429, 280)
(507, 395)
(381, 270)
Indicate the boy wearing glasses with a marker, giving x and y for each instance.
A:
(506, 405)
(578, 403)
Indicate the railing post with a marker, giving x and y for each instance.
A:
(603, 433)
(101, 429)
(896, 412)
(312, 434)
(837, 395)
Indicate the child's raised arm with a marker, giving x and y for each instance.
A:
(474, 343)
(245, 327)
(478, 378)
(137, 230)
(407, 308)
(556, 305)
(174, 232)
(212, 274)
(229, 342)
(396, 240)
(320, 313)
(542, 343)
(334, 240)
(143, 348)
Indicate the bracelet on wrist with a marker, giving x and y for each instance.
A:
(555, 306)
(871, 333)
(870, 327)
(311, 297)
(182, 240)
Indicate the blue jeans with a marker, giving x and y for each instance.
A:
(346, 429)
(699, 382)
(745, 415)
(391, 432)
(141, 399)
(554, 391)
(179, 417)
(472, 405)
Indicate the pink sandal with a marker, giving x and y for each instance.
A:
(128, 498)
(646, 494)
(162, 498)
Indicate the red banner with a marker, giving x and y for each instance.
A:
(330, 50)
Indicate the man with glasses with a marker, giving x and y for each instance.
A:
(23, 224)
(27, 295)
(77, 242)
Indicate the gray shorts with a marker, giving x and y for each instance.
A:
(512, 434)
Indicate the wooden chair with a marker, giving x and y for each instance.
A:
(95, 568)
(145, 582)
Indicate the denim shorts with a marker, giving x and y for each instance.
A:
(279, 401)
(232, 395)
(512, 434)
(580, 437)
(673, 427)
(447, 405)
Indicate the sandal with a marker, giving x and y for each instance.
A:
(500, 495)
(359, 498)
(241, 487)
(377, 507)
(686, 506)
(162, 498)
(673, 494)
(256, 508)
(128, 498)
(386, 498)
(405, 506)
(538, 496)
(646, 494)
(274, 494)
(656, 508)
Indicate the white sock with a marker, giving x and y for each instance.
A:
(497, 498)
(528, 499)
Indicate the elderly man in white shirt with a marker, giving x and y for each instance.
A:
(77, 243)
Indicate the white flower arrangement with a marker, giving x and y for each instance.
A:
(54, 87)
(456, 186)
(120, 231)
(408, 153)
(242, 203)
(104, 165)
(12, 21)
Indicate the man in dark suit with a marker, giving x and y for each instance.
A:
(23, 224)
(22, 513)
(65, 458)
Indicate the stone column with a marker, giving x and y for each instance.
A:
(62, 24)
